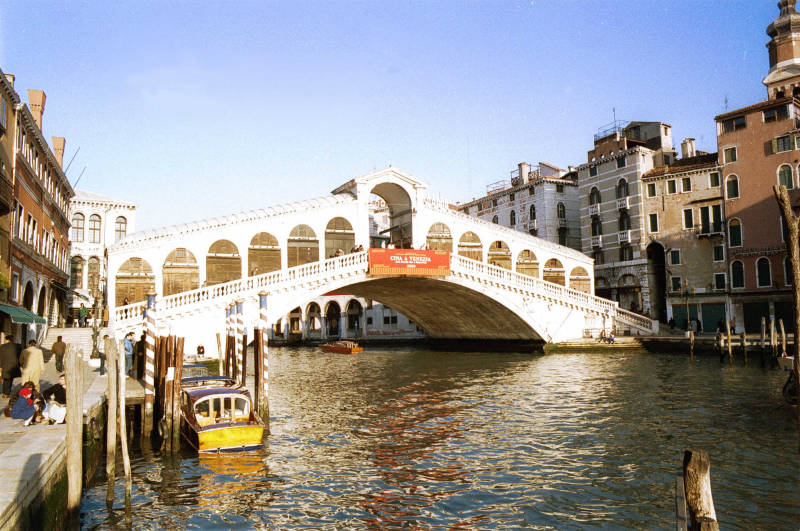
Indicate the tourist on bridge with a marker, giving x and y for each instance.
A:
(83, 313)
(58, 349)
(9, 364)
(128, 352)
(32, 362)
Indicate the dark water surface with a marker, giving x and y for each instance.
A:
(439, 440)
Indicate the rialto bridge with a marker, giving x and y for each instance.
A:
(501, 284)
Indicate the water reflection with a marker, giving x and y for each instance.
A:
(395, 439)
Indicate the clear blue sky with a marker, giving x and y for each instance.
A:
(199, 109)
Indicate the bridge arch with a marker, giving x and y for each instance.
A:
(398, 201)
(302, 246)
(223, 263)
(180, 271)
(470, 246)
(134, 280)
(263, 254)
(313, 320)
(527, 263)
(499, 254)
(339, 235)
(439, 237)
(333, 314)
(353, 325)
(554, 272)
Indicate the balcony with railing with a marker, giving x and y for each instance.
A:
(623, 203)
(708, 229)
(562, 222)
(597, 241)
(594, 209)
(532, 224)
(624, 236)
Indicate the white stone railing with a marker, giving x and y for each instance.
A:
(639, 321)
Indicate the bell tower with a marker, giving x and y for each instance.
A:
(783, 78)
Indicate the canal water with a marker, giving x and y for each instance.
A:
(403, 438)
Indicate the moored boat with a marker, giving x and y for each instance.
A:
(219, 419)
(342, 347)
(786, 362)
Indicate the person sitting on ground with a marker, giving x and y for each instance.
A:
(602, 337)
(9, 364)
(25, 405)
(32, 362)
(55, 409)
(611, 337)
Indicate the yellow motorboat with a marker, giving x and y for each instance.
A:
(220, 419)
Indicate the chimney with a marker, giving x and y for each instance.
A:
(36, 102)
(10, 79)
(524, 168)
(687, 148)
(58, 149)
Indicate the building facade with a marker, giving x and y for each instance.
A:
(759, 147)
(97, 223)
(8, 102)
(540, 200)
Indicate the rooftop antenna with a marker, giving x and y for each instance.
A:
(726, 103)
(614, 112)
(70, 160)
(79, 176)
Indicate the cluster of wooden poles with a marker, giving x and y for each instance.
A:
(725, 342)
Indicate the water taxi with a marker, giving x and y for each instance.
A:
(342, 347)
(217, 417)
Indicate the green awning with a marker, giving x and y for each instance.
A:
(21, 315)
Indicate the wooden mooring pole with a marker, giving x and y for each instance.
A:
(783, 337)
(697, 486)
(168, 395)
(744, 347)
(763, 340)
(728, 338)
(176, 397)
(691, 345)
(123, 425)
(262, 362)
(149, 366)
(74, 440)
(111, 421)
(773, 340)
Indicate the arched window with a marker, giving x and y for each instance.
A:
(624, 221)
(734, 233)
(94, 273)
(94, 228)
(532, 212)
(785, 176)
(76, 273)
(763, 272)
(622, 189)
(594, 196)
(732, 187)
(737, 274)
(494, 219)
(77, 227)
(512, 219)
(562, 211)
(120, 228)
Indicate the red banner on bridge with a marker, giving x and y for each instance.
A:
(409, 262)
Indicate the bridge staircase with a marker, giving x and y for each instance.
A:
(76, 338)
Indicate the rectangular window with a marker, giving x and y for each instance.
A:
(672, 187)
(14, 293)
(621, 162)
(653, 222)
(688, 218)
(686, 184)
(592, 171)
(625, 253)
(651, 189)
(510, 197)
(781, 143)
(719, 280)
(675, 283)
(719, 253)
(3, 112)
(494, 202)
(730, 154)
(716, 218)
(530, 190)
(778, 113)
(675, 257)
(560, 188)
(369, 320)
(734, 124)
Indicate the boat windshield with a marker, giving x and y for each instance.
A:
(218, 408)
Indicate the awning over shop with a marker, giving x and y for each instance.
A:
(21, 315)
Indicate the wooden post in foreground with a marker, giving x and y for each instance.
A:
(240, 353)
(697, 485)
(149, 365)
(773, 338)
(168, 394)
(111, 420)
(74, 375)
(691, 345)
(763, 339)
(728, 338)
(262, 363)
(744, 347)
(176, 397)
(123, 425)
(783, 337)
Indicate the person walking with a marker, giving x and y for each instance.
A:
(128, 351)
(9, 364)
(83, 313)
(59, 348)
(32, 363)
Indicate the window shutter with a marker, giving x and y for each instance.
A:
(774, 145)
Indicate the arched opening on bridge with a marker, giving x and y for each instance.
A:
(354, 324)
(264, 254)
(76, 273)
(657, 280)
(314, 320)
(332, 315)
(295, 322)
(134, 280)
(579, 279)
(499, 254)
(629, 293)
(302, 247)
(42, 306)
(470, 246)
(223, 263)
(180, 272)
(339, 235)
(527, 264)
(399, 206)
(439, 238)
(553, 271)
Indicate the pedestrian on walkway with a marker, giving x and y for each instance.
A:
(105, 316)
(59, 348)
(101, 350)
(9, 364)
(83, 313)
(32, 363)
(128, 351)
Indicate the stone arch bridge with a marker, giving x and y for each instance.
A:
(501, 284)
